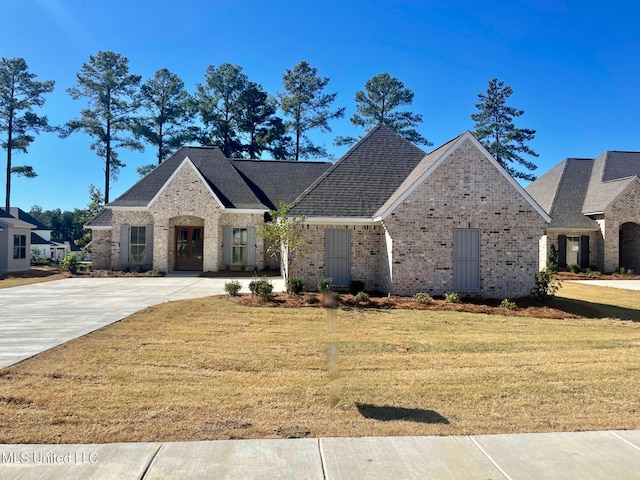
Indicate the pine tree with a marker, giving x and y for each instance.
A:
(496, 131)
(377, 104)
(168, 114)
(308, 107)
(112, 94)
(20, 93)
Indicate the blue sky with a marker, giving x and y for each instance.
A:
(573, 66)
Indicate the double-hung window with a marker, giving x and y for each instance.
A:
(19, 246)
(137, 243)
(239, 246)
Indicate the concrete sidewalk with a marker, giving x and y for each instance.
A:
(34, 318)
(585, 455)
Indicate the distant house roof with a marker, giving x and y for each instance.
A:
(242, 184)
(38, 240)
(579, 187)
(363, 179)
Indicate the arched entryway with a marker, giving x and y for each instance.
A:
(629, 246)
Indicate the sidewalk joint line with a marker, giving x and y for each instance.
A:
(493, 462)
(625, 440)
(153, 459)
(322, 463)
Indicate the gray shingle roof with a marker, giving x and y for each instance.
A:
(246, 184)
(102, 219)
(24, 216)
(579, 187)
(363, 179)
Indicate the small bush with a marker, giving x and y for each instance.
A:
(356, 286)
(552, 259)
(264, 288)
(324, 284)
(423, 298)
(311, 299)
(452, 297)
(296, 284)
(545, 286)
(593, 272)
(361, 297)
(622, 271)
(629, 271)
(232, 287)
(575, 268)
(70, 263)
(508, 304)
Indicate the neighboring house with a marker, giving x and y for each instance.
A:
(41, 244)
(595, 210)
(15, 243)
(387, 214)
(404, 221)
(198, 210)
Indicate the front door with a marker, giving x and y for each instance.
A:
(188, 250)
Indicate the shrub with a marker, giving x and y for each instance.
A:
(296, 284)
(575, 268)
(70, 263)
(232, 287)
(629, 271)
(552, 259)
(264, 288)
(423, 298)
(324, 284)
(311, 299)
(545, 286)
(452, 297)
(361, 297)
(508, 304)
(356, 286)
(592, 272)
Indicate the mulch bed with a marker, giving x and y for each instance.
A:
(526, 307)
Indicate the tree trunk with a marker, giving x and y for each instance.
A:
(9, 148)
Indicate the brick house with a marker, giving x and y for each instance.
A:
(404, 221)
(198, 210)
(386, 213)
(595, 208)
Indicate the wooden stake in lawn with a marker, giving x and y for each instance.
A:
(331, 307)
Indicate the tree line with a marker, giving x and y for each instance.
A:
(227, 110)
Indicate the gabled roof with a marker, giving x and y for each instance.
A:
(38, 240)
(25, 217)
(363, 179)
(434, 159)
(579, 187)
(240, 184)
(9, 220)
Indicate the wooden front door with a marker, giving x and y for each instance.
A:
(188, 248)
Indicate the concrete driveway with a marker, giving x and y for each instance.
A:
(34, 318)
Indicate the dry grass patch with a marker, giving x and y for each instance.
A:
(35, 275)
(209, 369)
(598, 302)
